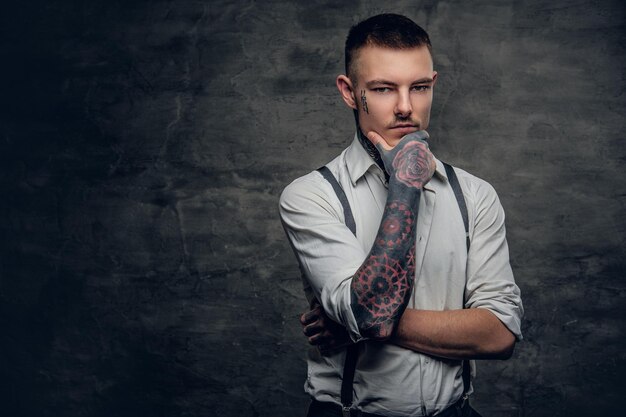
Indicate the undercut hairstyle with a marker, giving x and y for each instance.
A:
(385, 30)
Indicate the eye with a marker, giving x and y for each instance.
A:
(382, 89)
(420, 88)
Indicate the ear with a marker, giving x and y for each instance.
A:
(434, 78)
(347, 91)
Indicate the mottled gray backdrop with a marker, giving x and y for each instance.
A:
(143, 147)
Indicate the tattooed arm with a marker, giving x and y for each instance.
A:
(474, 333)
(486, 329)
(381, 287)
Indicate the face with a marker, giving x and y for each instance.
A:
(393, 90)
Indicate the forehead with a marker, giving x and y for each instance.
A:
(375, 62)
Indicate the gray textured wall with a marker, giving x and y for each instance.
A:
(143, 147)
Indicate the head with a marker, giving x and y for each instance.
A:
(389, 76)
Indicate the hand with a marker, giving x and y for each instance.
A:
(410, 162)
(323, 332)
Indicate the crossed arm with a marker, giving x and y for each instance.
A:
(381, 287)
(474, 333)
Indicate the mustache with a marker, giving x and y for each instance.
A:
(403, 123)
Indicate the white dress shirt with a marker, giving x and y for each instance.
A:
(389, 379)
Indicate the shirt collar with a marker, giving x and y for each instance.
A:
(439, 178)
(358, 162)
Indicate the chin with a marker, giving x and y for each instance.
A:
(393, 141)
(396, 135)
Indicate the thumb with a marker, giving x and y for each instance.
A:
(378, 141)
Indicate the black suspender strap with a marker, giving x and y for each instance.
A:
(347, 213)
(352, 352)
(458, 193)
(349, 367)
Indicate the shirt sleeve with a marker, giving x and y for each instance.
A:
(490, 282)
(327, 251)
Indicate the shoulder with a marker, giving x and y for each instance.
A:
(478, 192)
(311, 185)
(310, 189)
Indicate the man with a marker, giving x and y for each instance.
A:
(388, 264)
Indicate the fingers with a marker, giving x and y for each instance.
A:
(314, 328)
(311, 316)
(313, 323)
(317, 334)
(322, 332)
(322, 338)
(327, 340)
(378, 141)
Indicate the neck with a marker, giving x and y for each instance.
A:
(369, 147)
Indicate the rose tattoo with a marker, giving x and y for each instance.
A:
(410, 162)
(412, 165)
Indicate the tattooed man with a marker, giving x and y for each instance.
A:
(405, 289)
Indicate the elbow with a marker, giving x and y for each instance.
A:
(501, 347)
(505, 352)
(498, 342)
(377, 327)
(381, 331)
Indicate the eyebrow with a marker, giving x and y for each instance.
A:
(372, 83)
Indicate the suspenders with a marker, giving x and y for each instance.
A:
(352, 350)
(347, 212)
(458, 193)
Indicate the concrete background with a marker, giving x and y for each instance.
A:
(143, 147)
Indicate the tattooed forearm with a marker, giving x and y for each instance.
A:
(364, 102)
(381, 288)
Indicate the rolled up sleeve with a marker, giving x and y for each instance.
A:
(327, 251)
(490, 282)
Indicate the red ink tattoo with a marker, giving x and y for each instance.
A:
(382, 286)
(411, 165)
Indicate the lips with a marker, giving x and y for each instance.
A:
(404, 129)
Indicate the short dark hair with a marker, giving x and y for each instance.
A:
(385, 30)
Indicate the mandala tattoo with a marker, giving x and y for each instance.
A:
(382, 286)
(396, 226)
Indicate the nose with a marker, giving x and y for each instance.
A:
(403, 105)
